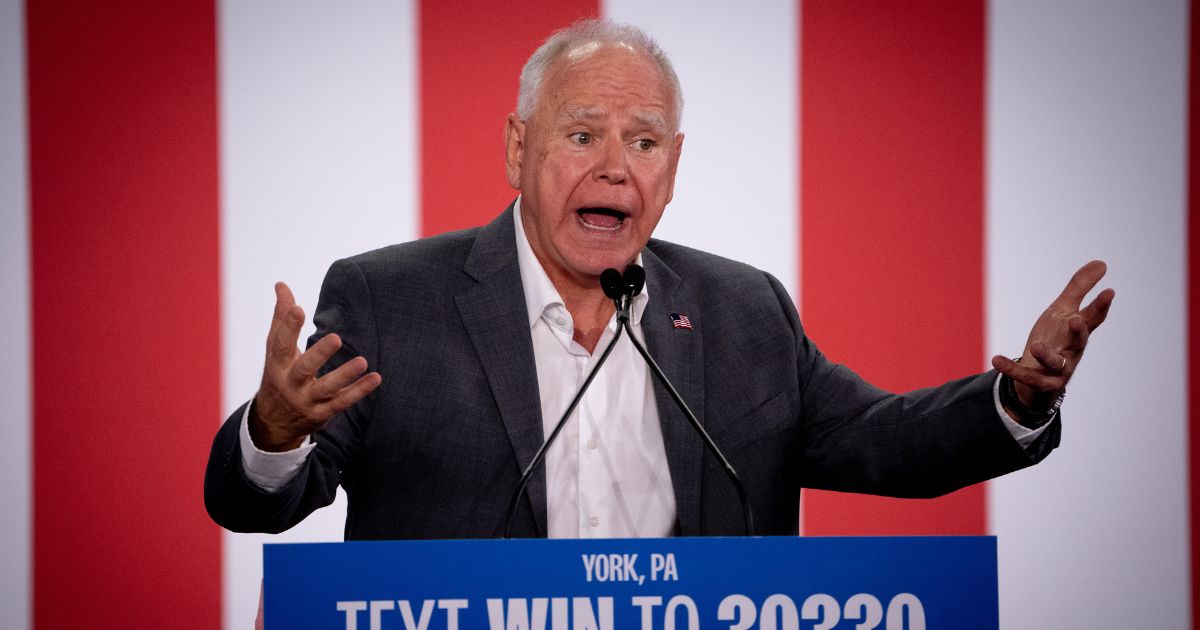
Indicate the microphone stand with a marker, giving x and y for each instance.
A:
(621, 289)
(541, 452)
(623, 322)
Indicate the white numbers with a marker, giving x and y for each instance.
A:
(896, 616)
(823, 608)
(778, 612)
(779, 609)
(867, 608)
(739, 609)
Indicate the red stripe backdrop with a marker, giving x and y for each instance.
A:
(123, 205)
(471, 55)
(892, 217)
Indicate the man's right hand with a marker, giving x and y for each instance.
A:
(291, 402)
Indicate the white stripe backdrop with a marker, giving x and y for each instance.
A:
(736, 192)
(16, 446)
(1086, 154)
(318, 161)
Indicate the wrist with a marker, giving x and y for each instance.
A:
(264, 437)
(1033, 414)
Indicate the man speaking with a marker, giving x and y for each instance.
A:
(439, 365)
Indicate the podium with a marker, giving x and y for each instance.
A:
(768, 583)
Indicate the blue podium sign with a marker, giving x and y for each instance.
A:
(908, 583)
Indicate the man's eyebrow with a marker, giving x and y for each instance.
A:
(652, 119)
(583, 113)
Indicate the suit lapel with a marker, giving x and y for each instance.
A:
(497, 322)
(679, 352)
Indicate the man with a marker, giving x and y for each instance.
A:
(479, 338)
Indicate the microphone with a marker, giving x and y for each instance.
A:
(614, 288)
(631, 284)
(621, 288)
(613, 285)
(635, 279)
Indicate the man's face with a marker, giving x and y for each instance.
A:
(595, 162)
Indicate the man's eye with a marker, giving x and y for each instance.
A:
(644, 144)
(582, 137)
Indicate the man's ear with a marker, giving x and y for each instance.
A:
(675, 165)
(514, 149)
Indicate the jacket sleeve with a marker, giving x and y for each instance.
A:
(233, 500)
(858, 438)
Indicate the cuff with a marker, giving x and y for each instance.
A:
(1022, 434)
(270, 471)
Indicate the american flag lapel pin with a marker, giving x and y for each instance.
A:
(679, 320)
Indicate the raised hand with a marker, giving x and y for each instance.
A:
(292, 402)
(1056, 343)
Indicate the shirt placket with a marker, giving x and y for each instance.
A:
(596, 488)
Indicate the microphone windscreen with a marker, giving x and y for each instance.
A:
(635, 279)
(610, 281)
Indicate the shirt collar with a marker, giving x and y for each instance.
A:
(540, 293)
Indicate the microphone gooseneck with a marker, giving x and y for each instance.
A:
(611, 282)
(621, 288)
(634, 280)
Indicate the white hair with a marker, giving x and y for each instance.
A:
(585, 32)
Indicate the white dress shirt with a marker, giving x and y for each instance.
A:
(606, 474)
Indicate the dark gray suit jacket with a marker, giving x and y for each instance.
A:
(437, 450)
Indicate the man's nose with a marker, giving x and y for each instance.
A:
(611, 166)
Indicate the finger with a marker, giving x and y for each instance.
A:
(1081, 283)
(1003, 363)
(1096, 312)
(329, 385)
(311, 360)
(1051, 361)
(284, 300)
(1035, 379)
(351, 394)
(286, 323)
(1078, 331)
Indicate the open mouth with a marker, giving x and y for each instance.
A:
(601, 218)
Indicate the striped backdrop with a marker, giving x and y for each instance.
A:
(923, 175)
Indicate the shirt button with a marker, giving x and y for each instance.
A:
(561, 321)
(594, 521)
(592, 444)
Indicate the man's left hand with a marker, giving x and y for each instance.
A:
(1056, 343)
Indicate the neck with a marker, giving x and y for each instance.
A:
(590, 309)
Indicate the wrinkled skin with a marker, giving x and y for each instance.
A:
(595, 163)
